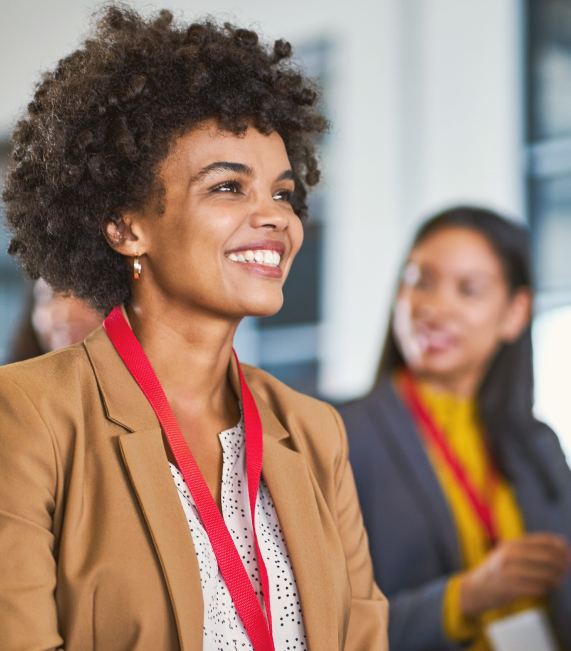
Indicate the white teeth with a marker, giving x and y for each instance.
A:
(265, 257)
(439, 339)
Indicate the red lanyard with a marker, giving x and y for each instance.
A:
(227, 555)
(434, 436)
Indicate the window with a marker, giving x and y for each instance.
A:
(13, 287)
(549, 194)
(549, 137)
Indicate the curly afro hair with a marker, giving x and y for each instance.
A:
(101, 123)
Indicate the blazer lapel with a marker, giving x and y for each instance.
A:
(410, 455)
(287, 476)
(146, 463)
(147, 467)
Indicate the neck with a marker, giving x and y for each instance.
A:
(460, 384)
(190, 353)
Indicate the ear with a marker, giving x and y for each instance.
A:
(126, 235)
(518, 315)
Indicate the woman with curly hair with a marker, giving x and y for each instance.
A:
(155, 494)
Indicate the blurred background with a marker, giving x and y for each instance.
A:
(432, 103)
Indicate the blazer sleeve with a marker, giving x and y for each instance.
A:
(417, 619)
(367, 630)
(28, 485)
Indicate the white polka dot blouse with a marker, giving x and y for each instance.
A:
(223, 628)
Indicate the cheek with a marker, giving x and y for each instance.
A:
(484, 328)
(296, 235)
(484, 316)
(195, 243)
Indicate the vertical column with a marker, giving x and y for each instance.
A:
(362, 233)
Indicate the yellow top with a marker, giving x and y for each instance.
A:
(458, 420)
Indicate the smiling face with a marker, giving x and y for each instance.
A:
(454, 309)
(226, 239)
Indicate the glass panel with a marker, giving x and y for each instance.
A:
(13, 288)
(551, 209)
(550, 68)
(300, 377)
(301, 289)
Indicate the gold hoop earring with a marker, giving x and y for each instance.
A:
(136, 268)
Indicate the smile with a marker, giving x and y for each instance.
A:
(261, 256)
(436, 340)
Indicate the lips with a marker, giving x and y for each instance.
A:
(433, 339)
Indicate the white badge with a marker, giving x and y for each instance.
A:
(529, 630)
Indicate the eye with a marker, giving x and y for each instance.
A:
(470, 289)
(424, 281)
(232, 187)
(283, 195)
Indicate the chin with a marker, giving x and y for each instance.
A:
(261, 313)
(263, 308)
(439, 365)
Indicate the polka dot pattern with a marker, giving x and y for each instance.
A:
(223, 628)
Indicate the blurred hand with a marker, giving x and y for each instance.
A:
(529, 566)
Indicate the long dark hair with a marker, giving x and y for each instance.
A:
(505, 396)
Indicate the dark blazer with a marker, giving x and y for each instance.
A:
(412, 534)
(95, 550)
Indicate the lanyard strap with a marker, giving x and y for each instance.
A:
(481, 506)
(227, 555)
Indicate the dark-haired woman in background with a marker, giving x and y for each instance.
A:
(154, 496)
(465, 495)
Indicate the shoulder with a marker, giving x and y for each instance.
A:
(548, 446)
(313, 424)
(545, 436)
(535, 441)
(372, 411)
(48, 394)
(42, 404)
(280, 397)
(56, 374)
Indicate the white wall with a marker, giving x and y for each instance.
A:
(426, 104)
(449, 109)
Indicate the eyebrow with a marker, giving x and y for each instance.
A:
(223, 166)
(237, 168)
(286, 176)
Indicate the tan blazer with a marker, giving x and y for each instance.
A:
(95, 550)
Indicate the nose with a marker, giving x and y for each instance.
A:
(435, 304)
(268, 213)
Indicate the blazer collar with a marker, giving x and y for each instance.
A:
(125, 403)
(384, 404)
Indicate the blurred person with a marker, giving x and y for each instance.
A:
(51, 321)
(466, 497)
(155, 494)
(61, 320)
